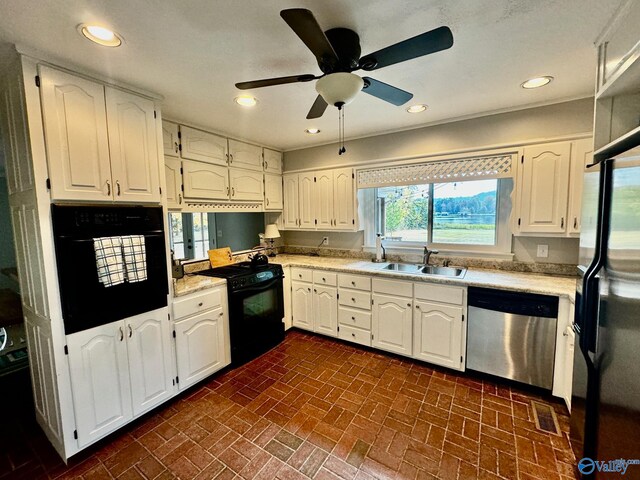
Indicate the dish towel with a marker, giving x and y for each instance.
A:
(135, 258)
(109, 260)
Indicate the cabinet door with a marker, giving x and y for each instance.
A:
(100, 386)
(272, 192)
(286, 293)
(201, 346)
(325, 310)
(570, 344)
(323, 201)
(245, 155)
(173, 177)
(343, 200)
(149, 350)
(203, 180)
(75, 126)
(203, 146)
(133, 147)
(291, 202)
(391, 324)
(437, 334)
(545, 192)
(170, 139)
(272, 161)
(301, 305)
(306, 197)
(582, 155)
(246, 185)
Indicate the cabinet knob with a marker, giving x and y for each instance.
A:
(315, 291)
(309, 289)
(200, 304)
(300, 275)
(221, 314)
(324, 279)
(353, 318)
(353, 283)
(418, 307)
(408, 304)
(353, 335)
(353, 299)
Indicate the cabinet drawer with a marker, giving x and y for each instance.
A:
(355, 335)
(324, 278)
(439, 293)
(393, 287)
(354, 318)
(358, 282)
(301, 275)
(354, 298)
(198, 302)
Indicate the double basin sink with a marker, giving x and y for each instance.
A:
(454, 272)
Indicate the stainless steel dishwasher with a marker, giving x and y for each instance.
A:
(512, 335)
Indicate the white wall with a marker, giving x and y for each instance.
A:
(540, 123)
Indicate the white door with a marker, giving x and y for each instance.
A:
(323, 201)
(301, 305)
(291, 202)
(545, 188)
(170, 139)
(173, 177)
(134, 150)
(437, 334)
(149, 350)
(306, 197)
(200, 346)
(203, 146)
(246, 185)
(272, 192)
(343, 199)
(245, 155)
(582, 155)
(75, 126)
(203, 180)
(100, 386)
(391, 324)
(325, 310)
(272, 161)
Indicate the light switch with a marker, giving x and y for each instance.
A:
(543, 251)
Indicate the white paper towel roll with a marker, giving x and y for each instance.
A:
(378, 248)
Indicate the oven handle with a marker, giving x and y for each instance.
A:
(261, 286)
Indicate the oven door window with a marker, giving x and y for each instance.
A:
(260, 304)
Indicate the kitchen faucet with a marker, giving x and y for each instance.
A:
(427, 255)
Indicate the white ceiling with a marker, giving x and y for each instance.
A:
(193, 52)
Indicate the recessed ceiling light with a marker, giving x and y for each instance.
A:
(312, 131)
(417, 108)
(246, 100)
(537, 82)
(101, 35)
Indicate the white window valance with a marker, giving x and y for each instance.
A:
(440, 171)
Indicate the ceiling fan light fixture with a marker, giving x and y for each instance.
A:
(339, 88)
(537, 82)
(312, 131)
(246, 100)
(100, 35)
(421, 107)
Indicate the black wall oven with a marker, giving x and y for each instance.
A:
(87, 303)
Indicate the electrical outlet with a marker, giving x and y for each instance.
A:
(325, 241)
(543, 251)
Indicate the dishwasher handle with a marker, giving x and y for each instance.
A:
(517, 303)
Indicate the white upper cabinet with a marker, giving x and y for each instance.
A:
(245, 155)
(437, 334)
(173, 177)
(272, 192)
(306, 197)
(75, 124)
(323, 199)
(170, 139)
(343, 199)
(272, 160)
(203, 146)
(392, 323)
(544, 188)
(205, 181)
(246, 185)
(581, 156)
(291, 206)
(133, 147)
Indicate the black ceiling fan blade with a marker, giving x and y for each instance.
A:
(267, 82)
(429, 42)
(318, 108)
(304, 24)
(385, 91)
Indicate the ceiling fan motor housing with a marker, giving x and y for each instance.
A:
(346, 44)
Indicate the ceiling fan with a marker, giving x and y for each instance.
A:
(338, 54)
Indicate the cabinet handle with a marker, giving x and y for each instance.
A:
(227, 191)
(227, 155)
(118, 185)
(130, 331)
(108, 188)
(179, 199)
(266, 165)
(267, 202)
(121, 333)
(575, 222)
(175, 145)
(562, 222)
(233, 191)
(231, 158)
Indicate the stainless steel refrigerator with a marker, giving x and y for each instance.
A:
(605, 415)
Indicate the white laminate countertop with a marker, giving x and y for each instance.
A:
(501, 279)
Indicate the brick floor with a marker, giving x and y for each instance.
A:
(318, 408)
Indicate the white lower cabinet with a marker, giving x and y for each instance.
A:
(286, 286)
(119, 371)
(391, 324)
(325, 310)
(570, 344)
(302, 304)
(437, 334)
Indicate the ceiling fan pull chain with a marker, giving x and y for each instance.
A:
(341, 150)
